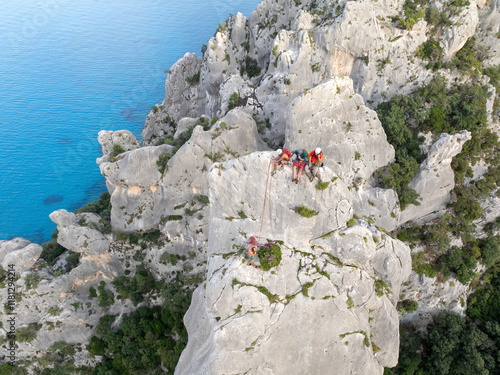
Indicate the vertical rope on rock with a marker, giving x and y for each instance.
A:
(265, 199)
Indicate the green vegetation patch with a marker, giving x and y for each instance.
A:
(162, 162)
(28, 334)
(412, 14)
(407, 306)
(322, 185)
(147, 341)
(117, 150)
(250, 67)
(436, 108)
(106, 297)
(194, 79)
(270, 256)
(305, 212)
(135, 288)
(381, 287)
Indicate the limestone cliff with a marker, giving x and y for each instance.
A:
(303, 74)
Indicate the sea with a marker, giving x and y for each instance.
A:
(70, 68)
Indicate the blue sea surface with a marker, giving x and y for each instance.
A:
(70, 68)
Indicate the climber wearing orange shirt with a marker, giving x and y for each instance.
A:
(315, 163)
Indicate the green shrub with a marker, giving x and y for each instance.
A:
(430, 50)
(269, 256)
(434, 17)
(148, 341)
(466, 206)
(203, 199)
(51, 249)
(305, 212)
(174, 217)
(72, 261)
(490, 251)
(92, 292)
(134, 288)
(117, 150)
(204, 122)
(468, 59)
(252, 68)
(106, 297)
(494, 73)
(183, 137)
(484, 303)
(420, 267)
(31, 280)
(194, 79)
(322, 185)
(28, 334)
(101, 207)
(381, 287)
(461, 262)
(233, 101)
(407, 306)
(411, 15)
(162, 162)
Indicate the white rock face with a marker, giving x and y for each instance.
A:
(333, 117)
(380, 206)
(249, 320)
(62, 305)
(135, 192)
(435, 179)
(433, 297)
(489, 27)
(20, 253)
(79, 233)
(142, 197)
(464, 26)
(122, 138)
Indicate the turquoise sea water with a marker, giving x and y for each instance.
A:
(70, 68)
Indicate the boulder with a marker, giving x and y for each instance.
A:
(435, 179)
(79, 233)
(20, 253)
(332, 116)
(123, 138)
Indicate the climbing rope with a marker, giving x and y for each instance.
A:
(265, 199)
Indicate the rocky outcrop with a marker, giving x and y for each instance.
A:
(488, 29)
(463, 27)
(250, 320)
(123, 138)
(332, 116)
(435, 179)
(19, 253)
(433, 296)
(142, 196)
(291, 47)
(80, 233)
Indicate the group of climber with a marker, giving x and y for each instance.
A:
(301, 159)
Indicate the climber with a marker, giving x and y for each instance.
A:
(300, 156)
(315, 163)
(281, 160)
(251, 253)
